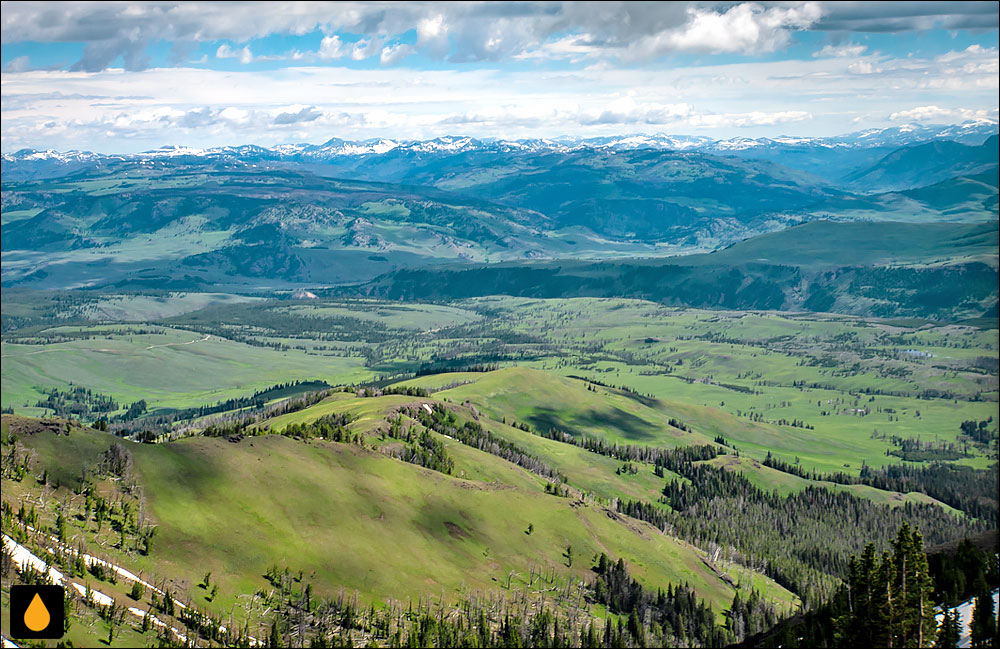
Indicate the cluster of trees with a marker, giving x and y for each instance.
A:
(441, 369)
(280, 321)
(78, 401)
(979, 432)
(15, 460)
(134, 411)
(961, 574)
(667, 618)
(471, 433)
(250, 408)
(750, 616)
(422, 449)
(970, 490)
(670, 616)
(912, 449)
(794, 423)
(661, 457)
(890, 598)
(409, 391)
(622, 388)
(244, 422)
(329, 427)
(678, 424)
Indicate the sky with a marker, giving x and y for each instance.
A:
(122, 77)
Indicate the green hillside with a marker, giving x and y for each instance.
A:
(353, 520)
(942, 271)
(827, 244)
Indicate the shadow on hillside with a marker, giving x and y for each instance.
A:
(625, 423)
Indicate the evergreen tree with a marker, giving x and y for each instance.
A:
(949, 633)
(275, 639)
(914, 590)
(984, 621)
(889, 602)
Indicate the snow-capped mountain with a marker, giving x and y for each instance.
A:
(30, 163)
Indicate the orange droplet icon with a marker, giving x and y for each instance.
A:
(36, 617)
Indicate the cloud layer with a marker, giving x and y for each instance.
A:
(467, 31)
(507, 69)
(820, 95)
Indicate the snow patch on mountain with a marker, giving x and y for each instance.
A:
(971, 132)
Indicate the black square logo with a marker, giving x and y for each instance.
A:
(37, 612)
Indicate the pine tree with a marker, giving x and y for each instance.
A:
(949, 633)
(275, 640)
(984, 621)
(920, 602)
(883, 604)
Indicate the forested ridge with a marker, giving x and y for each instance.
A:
(962, 487)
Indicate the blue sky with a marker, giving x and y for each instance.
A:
(122, 77)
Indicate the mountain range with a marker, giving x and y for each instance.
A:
(34, 164)
(253, 218)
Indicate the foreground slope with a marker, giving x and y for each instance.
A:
(351, 518)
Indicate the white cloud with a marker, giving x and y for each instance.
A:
(936, 113)
(235, 115)
(627, 111)
(331, 47)
(226, 52)
(746, 28)
(297, 115)
(756, 118)
(863, 67)
(432, 35)
(18, 64)
(471, 31)
(364, 49)
(395, 53)
(841, 51)
(204, 107)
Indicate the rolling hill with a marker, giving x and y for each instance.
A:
(926, 164)
(885, 269)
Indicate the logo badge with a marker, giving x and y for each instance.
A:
(37, 612)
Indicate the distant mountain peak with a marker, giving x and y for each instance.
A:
(32, 163)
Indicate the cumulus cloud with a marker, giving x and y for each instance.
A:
(395, 53)
(745, 28)
(99, 55)
(755, 118)
(331, 47)
(364, 49)
(243, 54)
(432, 35)
(624, 112)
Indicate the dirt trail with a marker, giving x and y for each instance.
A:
(24, 557)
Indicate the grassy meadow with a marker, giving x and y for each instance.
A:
(825, 392)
